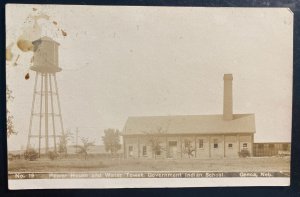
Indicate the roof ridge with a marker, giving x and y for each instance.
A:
(185, 124)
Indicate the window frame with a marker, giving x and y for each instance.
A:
(200, 143)
(130, 151)
(216, 143)
(144, 150)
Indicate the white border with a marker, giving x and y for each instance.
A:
(144, 183)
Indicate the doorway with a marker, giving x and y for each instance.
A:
(172, 149)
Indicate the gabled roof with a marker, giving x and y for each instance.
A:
(190, 124)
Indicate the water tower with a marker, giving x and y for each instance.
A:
(46, 122)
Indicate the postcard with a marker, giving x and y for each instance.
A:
(147, 97)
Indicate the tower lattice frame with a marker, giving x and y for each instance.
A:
(47, 92)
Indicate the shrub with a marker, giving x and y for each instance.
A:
(244, 153)
(10, 157)
(52, 155)
(31, 154)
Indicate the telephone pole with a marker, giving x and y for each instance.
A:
(77, 139)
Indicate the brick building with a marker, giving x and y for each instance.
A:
(191, 136)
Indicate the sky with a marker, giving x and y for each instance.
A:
(146, 61)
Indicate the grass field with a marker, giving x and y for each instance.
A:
(106, 164)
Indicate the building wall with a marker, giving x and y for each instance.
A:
(145, 148)
(173, 147)
(217, 146)
(246, 142)
(131, 147)
(231, 146)
(188, 146)
(203, 151)
(270, 149)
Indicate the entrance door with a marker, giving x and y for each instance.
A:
(172, 149)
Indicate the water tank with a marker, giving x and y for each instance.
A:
(45, 55)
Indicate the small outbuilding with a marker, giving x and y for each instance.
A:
(267, 149)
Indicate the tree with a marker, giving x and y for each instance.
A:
(111, 141)
(52, 155)
(63, 142)
(31, 154)
(154, 140)
(244, 153)
(85, 146)
(10, 125)
(188, 148)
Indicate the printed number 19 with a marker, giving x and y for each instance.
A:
(31, 176)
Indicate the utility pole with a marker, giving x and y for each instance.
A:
(77, 139)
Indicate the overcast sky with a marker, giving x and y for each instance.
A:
(145, 61)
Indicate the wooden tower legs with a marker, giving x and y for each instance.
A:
(45, 111)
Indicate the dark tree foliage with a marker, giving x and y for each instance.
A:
(10, 126)
(52, 155)
(83, 149)
(63, 142)
(244, 153)
(155, 141)
(31, 154)
(188, 148)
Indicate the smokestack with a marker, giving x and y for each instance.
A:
(227, 102)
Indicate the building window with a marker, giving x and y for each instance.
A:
(130, 151)
(144, 150)
(201, 143)
(230, 145)
(245, 145)
(216, 143)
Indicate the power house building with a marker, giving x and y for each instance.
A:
(191, 136)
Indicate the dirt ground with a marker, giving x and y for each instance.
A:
(105, 164)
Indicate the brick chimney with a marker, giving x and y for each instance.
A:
(227, 102)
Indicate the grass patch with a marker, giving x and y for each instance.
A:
(105, 164)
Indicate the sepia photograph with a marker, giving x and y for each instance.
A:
(143, 97)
